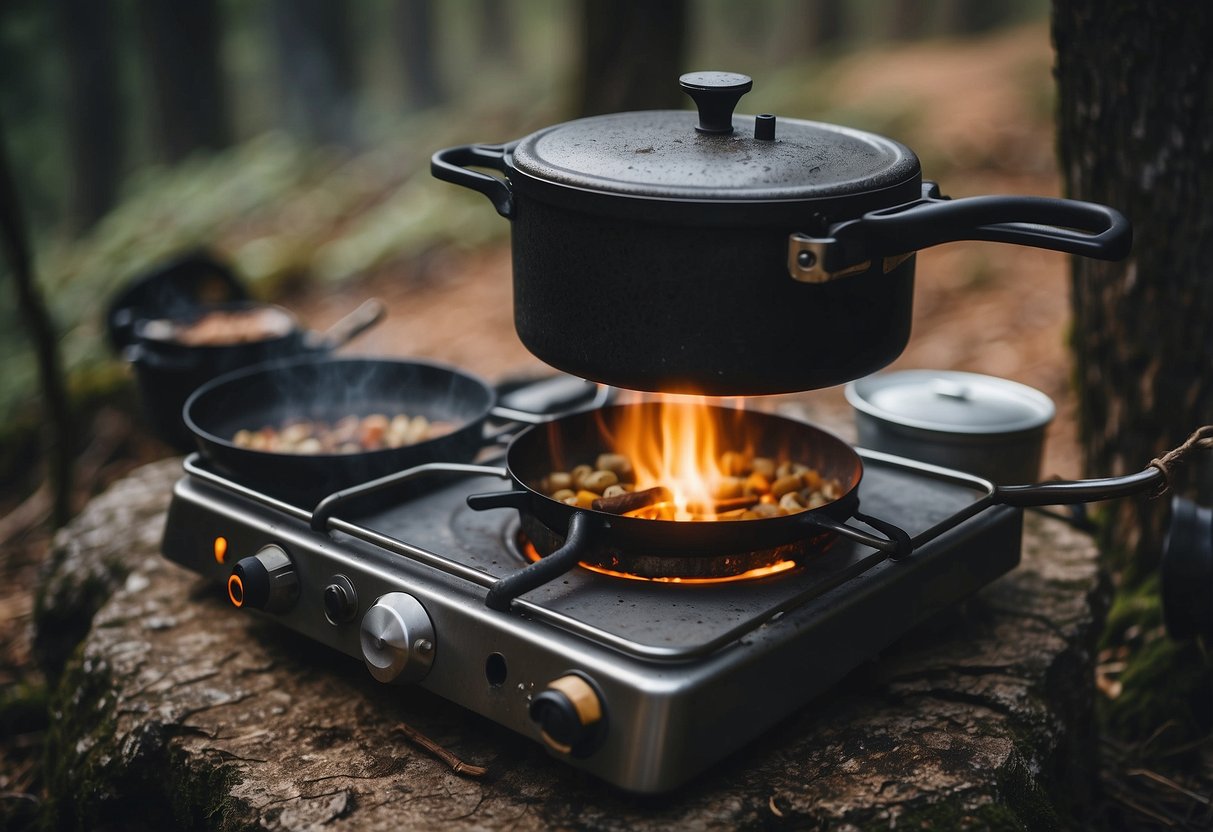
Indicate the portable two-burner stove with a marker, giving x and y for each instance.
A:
(644, 683)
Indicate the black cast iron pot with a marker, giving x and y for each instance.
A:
(736, 255)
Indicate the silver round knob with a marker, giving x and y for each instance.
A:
(398, 642)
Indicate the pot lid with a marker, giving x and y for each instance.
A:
(952, 402)
(713, 154)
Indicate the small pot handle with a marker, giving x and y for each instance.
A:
(895, 541)
(1068, 225)
(451, 165)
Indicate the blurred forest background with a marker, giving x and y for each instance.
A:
(292, 138)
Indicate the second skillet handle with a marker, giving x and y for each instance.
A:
(1069, 225)
(895, 542)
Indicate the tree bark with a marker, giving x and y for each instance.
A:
(181, 41)
(632, 52)
(1135, 129)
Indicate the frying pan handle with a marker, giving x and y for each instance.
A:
(1069, 492)
(451, 165)
(895, 542)
(1153, 480)
(1068, 225)
(367, 315)
(582, 527)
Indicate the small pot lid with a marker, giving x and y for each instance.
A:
(951, 402)
(713, 154)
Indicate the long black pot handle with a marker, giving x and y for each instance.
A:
(895, 542)
(1068, 225)
(452, 163)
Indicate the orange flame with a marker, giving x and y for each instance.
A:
(677, 444)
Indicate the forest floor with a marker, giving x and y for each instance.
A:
(991, 309)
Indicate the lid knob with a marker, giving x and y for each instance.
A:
(715, 94)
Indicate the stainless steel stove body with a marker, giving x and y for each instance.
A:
(659, 679)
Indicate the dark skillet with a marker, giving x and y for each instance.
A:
(565, 535)
(654, 546)
(329, 389)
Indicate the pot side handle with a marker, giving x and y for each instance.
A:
(451, 165)
(1068, 225)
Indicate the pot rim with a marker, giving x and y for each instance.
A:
(858, 392)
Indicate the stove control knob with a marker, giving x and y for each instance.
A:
(264, 581)
(571, 715)
(398, 639)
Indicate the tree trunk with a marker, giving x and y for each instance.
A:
(316, 68)
(94, 111)
(415, 31)
(1135, 127)
(826, 23)
(965, 17)
(908, 19)
(495, 35)
(56, 409)
(632, 54)
(181, 41)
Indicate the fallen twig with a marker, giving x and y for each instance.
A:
(457, 765)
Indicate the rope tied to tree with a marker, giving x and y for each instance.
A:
(1202, 437)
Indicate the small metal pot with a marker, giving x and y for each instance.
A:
(968, 422)
(730, 255)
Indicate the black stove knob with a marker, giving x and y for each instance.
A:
(571, 715)
(264, 581)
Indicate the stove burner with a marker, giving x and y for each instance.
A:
(611, 560)
(526, 549)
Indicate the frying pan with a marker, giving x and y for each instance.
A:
(328, 389)
(638, 545)
(566, 535)
(168, 370)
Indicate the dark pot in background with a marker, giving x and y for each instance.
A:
(150, 322)
(172, 289)
(733, 255)
(169, 369)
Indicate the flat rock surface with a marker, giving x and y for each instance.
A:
(177, 711)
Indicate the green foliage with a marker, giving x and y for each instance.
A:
(1165, 685)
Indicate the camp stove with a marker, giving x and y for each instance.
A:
(643, 683)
